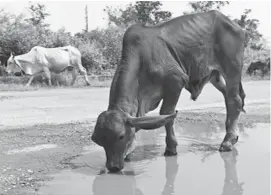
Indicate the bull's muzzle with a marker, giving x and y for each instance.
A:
(114, 162)
(114, 167)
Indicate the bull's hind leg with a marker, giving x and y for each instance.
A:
(219, 83)
(234, 105)
(171, 95)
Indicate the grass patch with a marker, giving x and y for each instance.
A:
(256, 77)
(13, 83)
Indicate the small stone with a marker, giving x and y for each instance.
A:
(30, 171)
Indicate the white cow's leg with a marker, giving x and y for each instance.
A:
(48, 75)
(57, 82)
(29, 81)
(83, 71)
(74, 75)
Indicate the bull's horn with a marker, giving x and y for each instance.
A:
(151, 122)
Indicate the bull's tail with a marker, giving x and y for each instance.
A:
(242, 95)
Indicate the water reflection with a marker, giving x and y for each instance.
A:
(124, 183)
(115, 184)
(197, 166)
(210, 130)
(231, 183)
(171, 172)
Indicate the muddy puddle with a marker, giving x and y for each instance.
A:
(198, 169)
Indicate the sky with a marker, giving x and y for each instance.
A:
(71, 14)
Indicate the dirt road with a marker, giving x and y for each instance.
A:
(47, 132)
(59, 106)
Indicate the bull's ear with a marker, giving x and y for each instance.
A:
(151, 122)
(94, 139)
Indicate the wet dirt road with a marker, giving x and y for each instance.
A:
(43, 152)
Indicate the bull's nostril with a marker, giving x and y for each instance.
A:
(114, 169)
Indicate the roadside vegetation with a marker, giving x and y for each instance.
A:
(101, 48)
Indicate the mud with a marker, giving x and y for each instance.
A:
(61, 159)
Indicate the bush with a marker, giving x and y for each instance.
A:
(108, 41)
(251, 55)
(111, 40)
(92, 58)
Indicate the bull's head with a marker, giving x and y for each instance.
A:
(115, 131)
(249, 70)
(12, 66)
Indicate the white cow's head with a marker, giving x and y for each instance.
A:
(12, 66)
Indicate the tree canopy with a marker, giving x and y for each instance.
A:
(145, 12)
(101, 48)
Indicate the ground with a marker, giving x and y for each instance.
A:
(47, 131)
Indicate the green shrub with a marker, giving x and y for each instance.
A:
(92, 57)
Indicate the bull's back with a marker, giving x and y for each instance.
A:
(229, 38)
(189, 30)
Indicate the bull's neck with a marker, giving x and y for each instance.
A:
(124, 90)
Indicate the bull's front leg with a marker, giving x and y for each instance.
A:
(170, 98)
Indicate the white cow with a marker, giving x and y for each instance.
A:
(46, 60)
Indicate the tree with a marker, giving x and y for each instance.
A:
(146, 12)
(86, 18)
(60, 38)
(253, 37)
(149, 12)
(204, 6)
(38, 15)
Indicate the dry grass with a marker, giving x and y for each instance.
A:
(18, 83)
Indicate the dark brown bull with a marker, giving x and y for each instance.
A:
(156, 64)
(264, 67)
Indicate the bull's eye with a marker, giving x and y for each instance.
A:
(121, 137)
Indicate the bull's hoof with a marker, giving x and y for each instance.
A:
(226, 147)
(170, 152)
(228, 142)
(128, 157)
(88, 84)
